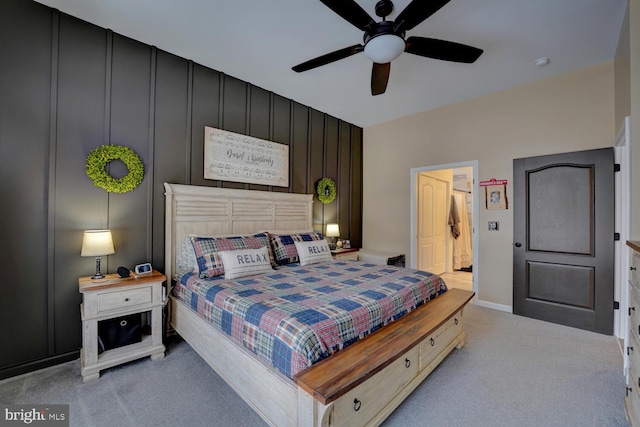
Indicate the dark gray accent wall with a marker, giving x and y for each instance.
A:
(66, 87)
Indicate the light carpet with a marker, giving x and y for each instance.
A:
(513, 371)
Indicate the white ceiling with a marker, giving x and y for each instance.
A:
(259, 41)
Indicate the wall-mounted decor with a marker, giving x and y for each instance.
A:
(230, 156)
(495, 191)
(326, 190)
(98, 159)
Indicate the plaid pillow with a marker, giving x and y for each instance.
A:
(284, 248)
(206, 250)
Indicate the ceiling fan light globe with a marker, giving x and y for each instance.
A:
(384, 48)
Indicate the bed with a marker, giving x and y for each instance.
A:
(351, 382)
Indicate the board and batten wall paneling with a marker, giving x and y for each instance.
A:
(170, 138)
(234, 113)
(73, 86)
(315, 164)
(82, 118)
(281, 131)
(206, 112)
(355, 207)
(259, 121)
(299, 179)
(330, 214)
(344, 181)
(129, 126)
(25, 92)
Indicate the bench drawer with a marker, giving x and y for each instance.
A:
(633, 398)
(365, 401)
(635, 269)
(436, 342)
(634, 311)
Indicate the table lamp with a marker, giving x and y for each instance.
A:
(333, 231)
(97, 243)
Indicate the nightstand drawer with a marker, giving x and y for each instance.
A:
(122, 300)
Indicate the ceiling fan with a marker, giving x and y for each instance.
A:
(384, 41)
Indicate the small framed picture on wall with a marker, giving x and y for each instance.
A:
(496, 197)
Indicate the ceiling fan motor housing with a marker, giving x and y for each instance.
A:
(384, 8)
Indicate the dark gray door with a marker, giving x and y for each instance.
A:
(563, 239)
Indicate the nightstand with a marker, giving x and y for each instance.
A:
(114, 297)
(351, 253)
(382, 257)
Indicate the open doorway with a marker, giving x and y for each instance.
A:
(444, 218)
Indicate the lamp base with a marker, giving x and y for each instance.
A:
(98, 274)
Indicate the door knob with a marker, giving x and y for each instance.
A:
(518, 244)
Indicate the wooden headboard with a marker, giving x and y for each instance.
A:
(213, 211)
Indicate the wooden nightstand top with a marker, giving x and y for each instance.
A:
(343, 251)
(86, 284)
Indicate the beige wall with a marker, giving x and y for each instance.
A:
(622, 67)
(571, 112)
(634, 30)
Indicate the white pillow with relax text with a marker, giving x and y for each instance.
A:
(245, 262)
(313, 252)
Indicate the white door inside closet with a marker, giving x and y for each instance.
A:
(432, 223)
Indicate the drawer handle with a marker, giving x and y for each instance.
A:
(632, 268)
(432, 342)
(629, 389)
(628, 350)
(631, 309)
(123, 323)
(638, 382)
(407, 363)
(455, 320)
(126, 299)
(356, 405)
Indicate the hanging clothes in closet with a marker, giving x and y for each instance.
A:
(462, 255)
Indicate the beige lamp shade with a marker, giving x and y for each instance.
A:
(97, 243)
(333, 230)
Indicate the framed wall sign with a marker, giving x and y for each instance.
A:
(230, 156)
(496, 197)
(495, 192)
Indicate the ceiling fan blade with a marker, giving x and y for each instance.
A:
(328, 58)
(442, 49)
(350, 11)
(416, 12)
(379, 78)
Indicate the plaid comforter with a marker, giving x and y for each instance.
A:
(296, 316)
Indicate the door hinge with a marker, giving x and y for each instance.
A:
(616, 236)
(616, 305)
(616, 167)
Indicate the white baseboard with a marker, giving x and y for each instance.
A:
(493, 305)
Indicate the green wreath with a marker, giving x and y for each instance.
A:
(326, 190)
(98, 159)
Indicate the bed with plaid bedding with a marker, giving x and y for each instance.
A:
(297, 315)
